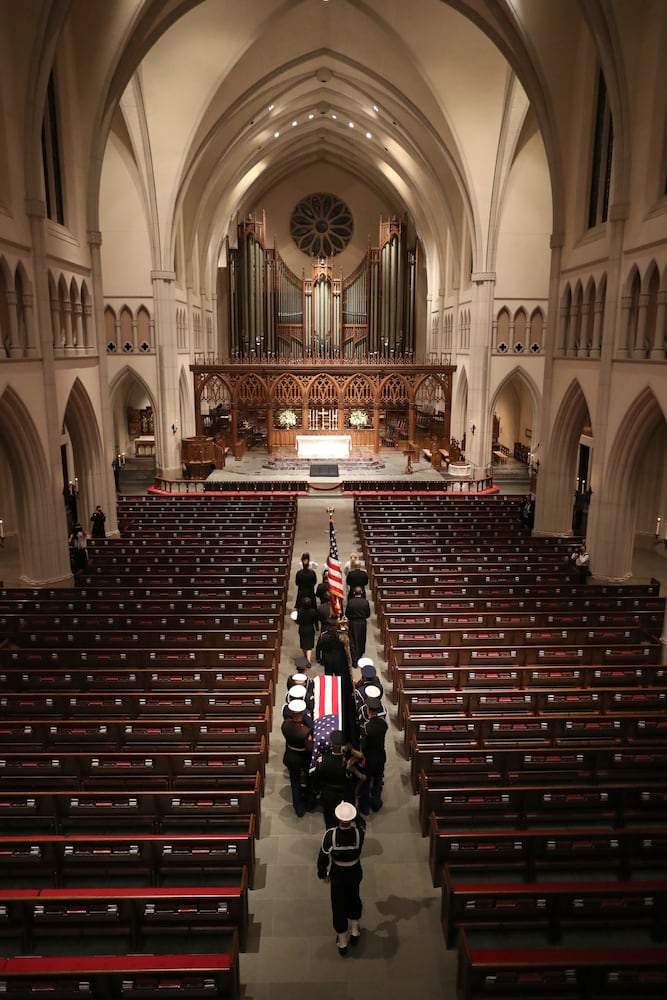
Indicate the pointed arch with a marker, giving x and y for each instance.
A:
(572, 416)
(80, 420)
(128, 389)
(185, 404)
(460, 404)
(624, 484)
(518, 383)
(41, 520)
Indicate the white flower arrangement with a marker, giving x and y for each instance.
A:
(358, 418)
(287, 418)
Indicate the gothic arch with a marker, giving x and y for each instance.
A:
(623, 483)
(185, 404)
(125, 390)
(460, 405)
(519, 376)
(41, 522)
(81, 422)
(572, 416)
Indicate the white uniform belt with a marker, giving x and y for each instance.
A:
(346, 864)
(298, 749)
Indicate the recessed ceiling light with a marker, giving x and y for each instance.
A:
(295, 122)
(310, 117)
(368, 135)
(375, 107)
(350, 124)
(334, 117)
(276, 135)
(271, 107)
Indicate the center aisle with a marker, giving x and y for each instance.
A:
(292, 944)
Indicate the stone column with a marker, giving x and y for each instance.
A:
(102, 481)
(69, 334)
(571, 346)
(44, 548)
(640, 334)
(582, 351)
(32, 349)
(598, 313)
(168, 443)
(15, 349)
(553, 505)
(658, 346)
(478, 446)
(78, 326)
(624, 327)
(609, 540)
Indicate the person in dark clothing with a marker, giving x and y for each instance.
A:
(324, 609)
(330, 651)
(369, 675)
(356, 577)
(97, 520)
(339, 864)
(334, 778)
(358, 612)
(323, 587)
(298, 748)
(372, 747)
(306, 580)
(308, 623)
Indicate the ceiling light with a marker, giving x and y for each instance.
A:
(271, 107)
(375, 107)
(310, 117)
(334, 117)
(350, 124)
(276, 135)
(295, 122)
(368, 135)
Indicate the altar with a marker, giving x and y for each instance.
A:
(327, 446)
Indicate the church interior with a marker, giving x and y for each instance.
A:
(401, 268)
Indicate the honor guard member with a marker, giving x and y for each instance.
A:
(298, 749)
(364, 696)
(334, 780)
(302, 680)
(298, 693)
(372, 746)
(369, 674)
(339, 863)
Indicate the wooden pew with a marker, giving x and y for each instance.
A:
(93, 770)
(39, 915)
(514, 972)
(615, 803)
(56, 860)
(107, 976)
(553, 907)
(170, 734)
(621, 851)
(509, 765)
(153, 811)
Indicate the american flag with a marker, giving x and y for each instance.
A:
(326, 712)
(335, 578)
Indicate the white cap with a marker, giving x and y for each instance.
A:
(297, 707)
(296, 693)
(345, 812)
(371, 691)
(294, 615)
(365, 661)
(300, 679)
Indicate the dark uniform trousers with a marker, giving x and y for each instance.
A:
(345, 899)
(339, 858)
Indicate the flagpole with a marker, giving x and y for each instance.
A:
(335, 577)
